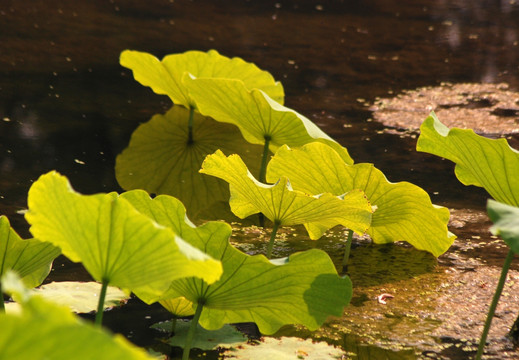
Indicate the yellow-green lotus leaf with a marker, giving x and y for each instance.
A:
(30, 259)
(488, 163)
(116, 243)
(404, 211)
(258, 116)
(165, 77)
(285, 206)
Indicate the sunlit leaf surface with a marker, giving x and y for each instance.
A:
(506, 222)
(43, 330)
(31, 259)
(160, 160)
(285, 206)
(258, 116)
(115, 242)
(404, 211)
(489, 163)
(301, 289)
(165, 77)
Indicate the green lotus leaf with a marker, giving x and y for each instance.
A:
(258, 116)
(116, 244)
(506, 222)
(404, 211)
(31, 259)
(43, 330)
(179, 307)
(165, 77)
(160, 160)
(488, 163)
(285, 206)
(81, 297)
(225, 337)
(302, 289)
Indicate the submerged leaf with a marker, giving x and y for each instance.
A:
(165, 77)
(161, 160)
(302, 289)
(31, 259)
(489, 163)
(404, 211)
(43, 330)
(258, 116)
(506, 223)
(114, 241)
(225, 337)
(285, 206)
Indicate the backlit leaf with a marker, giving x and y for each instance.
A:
(285, 206)
(160, 160)
(506, 222)
(114, 241)
(404, 211)
(31, 259)
(301, 289)
(165, 77)
(43, 330)
(258, 116)
(489, 163)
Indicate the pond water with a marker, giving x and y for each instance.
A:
(67, 104)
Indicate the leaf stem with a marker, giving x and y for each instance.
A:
(272, 238)
(347, 249)
(264, 158)
(493, 305)
(2, 305)
(192, 330)
(101, 303)
(173, 325)
(190, 126)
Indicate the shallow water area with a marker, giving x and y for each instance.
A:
(67, 104)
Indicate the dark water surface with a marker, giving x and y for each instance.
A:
(67, 104)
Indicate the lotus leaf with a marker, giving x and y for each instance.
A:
(301, 289)
(116, 244)
(404, 211)
(31, 259)
(165, 77)
(488, 163)
(260, 118)
(506, 223)
(285, 206)
(160, 160)
(44, 330)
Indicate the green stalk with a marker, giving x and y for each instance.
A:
(263, 168)
(190, 126)
(192, 330)
(347, 248)
(2, 306)
(101, 303)
(173, 325)
(493, 305)
(272, 238)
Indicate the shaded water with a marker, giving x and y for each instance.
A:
(66, 104)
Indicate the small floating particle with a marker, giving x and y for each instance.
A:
(383, 297)
(79, 161)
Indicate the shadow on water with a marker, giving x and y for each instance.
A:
(66, 104)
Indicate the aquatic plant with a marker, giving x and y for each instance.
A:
(488, 163)
(301, 289)
(284, 206)
(116, 244)
(166, 77)
(404, 211)
(31, 259)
